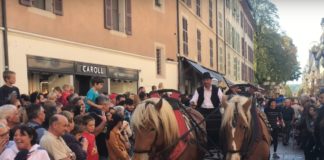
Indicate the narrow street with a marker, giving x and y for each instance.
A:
(290, 152)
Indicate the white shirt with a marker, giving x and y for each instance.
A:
(34, 153)
(207, 103)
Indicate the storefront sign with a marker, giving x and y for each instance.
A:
(122, 73)
(91, 69)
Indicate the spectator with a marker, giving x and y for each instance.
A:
(52, 96)
(4, 134)
(77, 143)
(101, 101)
(89, 124)
(97, 83)
(112, 98)
(53, 142)
(8, 90)
(141, 89)
(142, 96)
(36, 116)
(129, 108)
(274, 116)
(37, 98)
(307, 131)
(125, 130)
(120, 99)
(160, 86)
(288, 115)
(25, 99)
(154, 88)
(319, 125)
(50, 110)
(66, 92)
(11, 114)
(116, 146)
(25, 147)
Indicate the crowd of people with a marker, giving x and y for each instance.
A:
(62, 125)
(298, 118)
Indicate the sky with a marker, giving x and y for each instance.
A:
(300, 20)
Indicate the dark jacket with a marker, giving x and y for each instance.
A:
(319, 130)
(214, 97)
(75, 146)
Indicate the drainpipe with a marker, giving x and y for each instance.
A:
(5, 33)
(178, 50)
(225, 57)
(216, 27)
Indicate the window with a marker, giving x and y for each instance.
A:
(211, 13)
(211, 52)
(243, 53)
(228, 3)
(118, 15)
(228, 63)
(198, 8)
(185, 36)
(55, 6)
(220, 24)
(158, 61)
(220, 59)
(235, 68)
(242, 19)
(199, 45)
(188, 2)
(158, 3)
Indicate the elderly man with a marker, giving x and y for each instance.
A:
(53, 142)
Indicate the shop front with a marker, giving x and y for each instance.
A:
(46, 73)
(123, 80)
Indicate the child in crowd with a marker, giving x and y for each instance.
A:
(97, 83)
(66, 92)
(89, 124)
(8, 90)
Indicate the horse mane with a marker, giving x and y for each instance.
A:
(229, 111)
(147, 114)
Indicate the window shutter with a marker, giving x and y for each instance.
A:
(128, 17)
(26, 2)
(108, 14)
(58, 7)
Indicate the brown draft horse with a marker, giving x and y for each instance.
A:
(156, 132)
(238, 131)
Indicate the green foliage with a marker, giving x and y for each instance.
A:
(275, 53)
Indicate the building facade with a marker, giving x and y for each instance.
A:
(128, 43)
(215, 36)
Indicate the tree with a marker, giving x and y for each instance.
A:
(275, 52)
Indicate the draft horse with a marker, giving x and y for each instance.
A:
(244, 137)
(158, 134)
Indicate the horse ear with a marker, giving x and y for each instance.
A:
(158, 106)
(247, 104)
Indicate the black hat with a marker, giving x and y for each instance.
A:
(206, 75)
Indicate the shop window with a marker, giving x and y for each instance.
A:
(185, 36)
(118, 15)
(199, 45)
(55, 6)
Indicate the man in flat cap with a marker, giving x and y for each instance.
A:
(206, 100)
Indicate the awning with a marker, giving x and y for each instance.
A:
(202, 70)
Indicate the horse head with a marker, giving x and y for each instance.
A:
(155, 128)
(235, 128)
